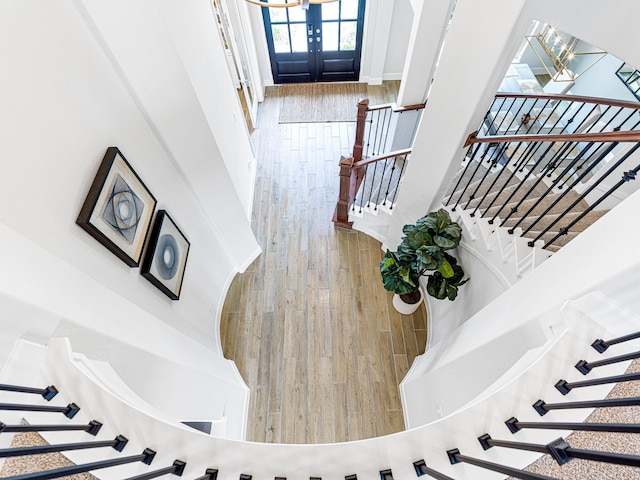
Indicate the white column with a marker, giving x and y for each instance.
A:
(427, 32)
(377, 30)
(474, 59)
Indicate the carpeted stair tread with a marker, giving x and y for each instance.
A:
(540, 205)
(480, 187)
(468, 177)
(23, 465)
(547, 220)
(513, 193)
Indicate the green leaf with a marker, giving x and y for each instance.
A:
(454, 231)
(452, 292)
(444, 242)
(446, 270)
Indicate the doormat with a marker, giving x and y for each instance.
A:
(320, 102)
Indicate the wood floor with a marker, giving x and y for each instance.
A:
(309, 325)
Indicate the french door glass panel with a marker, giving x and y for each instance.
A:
(319, 44)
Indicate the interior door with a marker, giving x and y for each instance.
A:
(322, 43)
(237, 58)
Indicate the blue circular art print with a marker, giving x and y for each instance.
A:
(167, 256)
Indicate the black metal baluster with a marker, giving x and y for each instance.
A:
(515, 426)
(543, 196)
(611, 119)
(543, 408)
(387, 126)
(69, 411)
(145, 457)
(498, 153)
(472, 176)
(373, 181)
(619, 127)
(514, 119)
(487, 442)
(375, 134)
(585, 367)
(384, 169)
(586, 117)
(358, 192)
(363, 185)
(513, 102)
(562, 452)
(210, 474)
(367, 149)
(422, 469)
(176, 469)
(562, 196)
(582, 160)
(524, 157)
(522, 182)
(47, 393)
(490, 117)
(395, 193)
(456, 457)
(92, 428)
(117, 444)
(490, 190)
(553, 110)
(393, 167)
(627, 176)
(542, 108)
(565, 387)
(381, 138)
(601, 345)
(471, 154)
(598, 456)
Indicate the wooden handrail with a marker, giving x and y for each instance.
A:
(417, 106)
(572, 98)
(382, 106)
(378, 158)
(626, 136)
(352, 169)
(395, 108)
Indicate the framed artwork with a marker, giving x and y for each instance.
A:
(166, 257)
(118, 209)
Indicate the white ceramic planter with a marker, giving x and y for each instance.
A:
(406, 308)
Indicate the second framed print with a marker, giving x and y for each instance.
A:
(166, 257)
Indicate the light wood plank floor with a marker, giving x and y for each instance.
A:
(309, 325)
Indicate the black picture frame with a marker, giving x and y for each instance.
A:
(165, 260)
(118, 209)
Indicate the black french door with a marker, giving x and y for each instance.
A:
(321, 44)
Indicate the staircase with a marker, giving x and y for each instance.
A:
(543, 179)
(531, 206)
(521, 415)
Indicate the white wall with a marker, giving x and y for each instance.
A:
(67, 93)
(401, 22)
(486, 284)
(601, 80)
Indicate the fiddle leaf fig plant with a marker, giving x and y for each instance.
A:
(424, 249)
